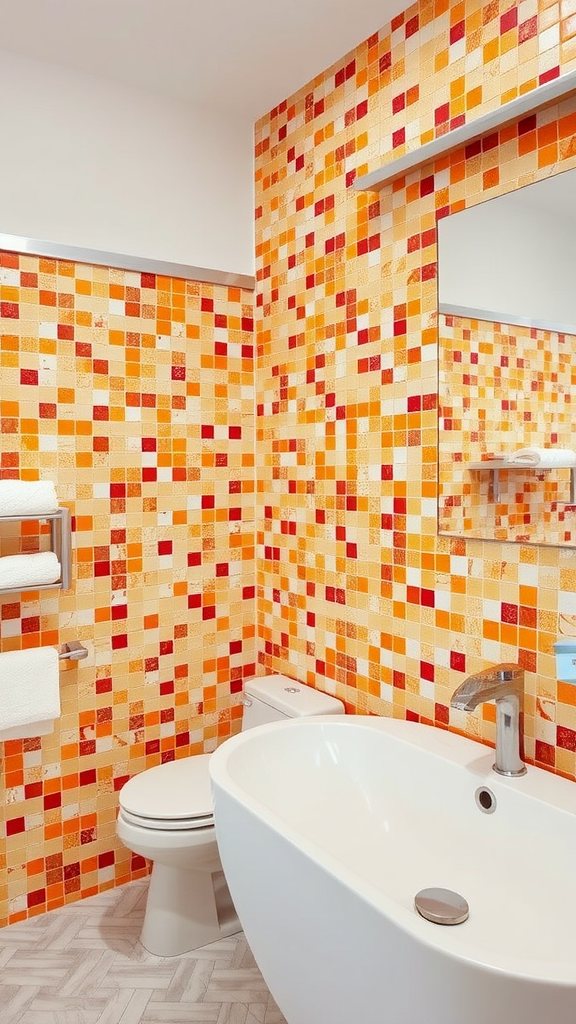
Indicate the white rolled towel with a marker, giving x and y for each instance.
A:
(25, 732)
(27, 497)
(27, 571)
(29, 692)
(543, 458)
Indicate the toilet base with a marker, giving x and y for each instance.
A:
(185, 910)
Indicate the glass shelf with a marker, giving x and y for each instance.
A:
(494, 466)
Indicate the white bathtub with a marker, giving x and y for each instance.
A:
(327, 829)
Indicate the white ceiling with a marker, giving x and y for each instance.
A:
(243, 56)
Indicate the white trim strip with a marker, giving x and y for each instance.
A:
(143, 265)
(448, 309)
(541, 96)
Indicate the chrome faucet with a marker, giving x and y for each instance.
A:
(505, 685)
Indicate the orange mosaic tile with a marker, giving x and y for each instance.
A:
(503, 388)
(209, 545)
(153, 466)
(347, 392)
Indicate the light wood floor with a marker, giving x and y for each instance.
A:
(83, 964)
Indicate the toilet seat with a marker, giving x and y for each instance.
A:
(171, 796)
(168, 824)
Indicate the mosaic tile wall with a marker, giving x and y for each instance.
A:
(134, 394)
(502, 388)
(356, 591)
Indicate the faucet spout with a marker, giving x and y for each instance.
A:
(490, 684)
(503, 684)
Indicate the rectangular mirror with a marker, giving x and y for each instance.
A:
(507, 346)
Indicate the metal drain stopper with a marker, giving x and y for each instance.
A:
(441, 906)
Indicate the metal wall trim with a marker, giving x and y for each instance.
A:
(123, 261)
(513, 319)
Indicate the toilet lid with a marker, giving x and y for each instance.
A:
(172, 795)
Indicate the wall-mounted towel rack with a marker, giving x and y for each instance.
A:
(60, 544)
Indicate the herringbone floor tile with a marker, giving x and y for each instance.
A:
(84, 965)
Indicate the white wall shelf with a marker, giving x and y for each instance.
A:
(536, 99)
(60, 544)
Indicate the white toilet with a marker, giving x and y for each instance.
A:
(166, 816)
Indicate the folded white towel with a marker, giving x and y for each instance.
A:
(543, 458)
(27, 497)
(29, 691)
(28, 571)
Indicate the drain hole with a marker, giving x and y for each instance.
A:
(441, 906)
(486, 800)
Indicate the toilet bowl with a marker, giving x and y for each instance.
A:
(166, 816)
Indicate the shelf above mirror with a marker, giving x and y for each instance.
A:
(542, 96)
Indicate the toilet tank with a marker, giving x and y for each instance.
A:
(272, 698)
